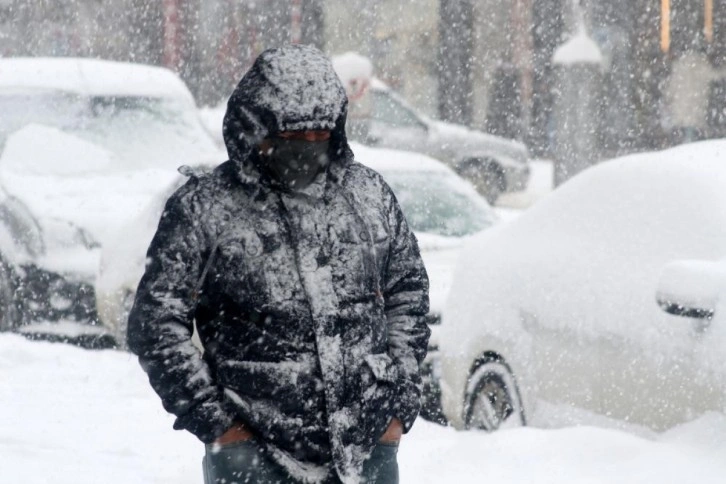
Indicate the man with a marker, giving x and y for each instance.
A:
(306, 285)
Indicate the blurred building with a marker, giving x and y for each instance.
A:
(484, 63)
(209, 42)
(400, 38)
(488, 63)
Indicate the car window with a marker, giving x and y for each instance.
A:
(48, 108)
(389, 110)
(145, 131)
(436, 203)
(139, 131)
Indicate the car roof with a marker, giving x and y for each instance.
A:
(91, 77)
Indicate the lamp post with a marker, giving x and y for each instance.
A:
(665, 25)
(296, 22)
(172, 34)
(708, 20)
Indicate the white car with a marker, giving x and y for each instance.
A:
(32, 261)
(442, 209)
(379, 117)
(559, 306)
(88, 143)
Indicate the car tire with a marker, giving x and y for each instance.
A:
(492, 399)
(8, 311)
(486, 176)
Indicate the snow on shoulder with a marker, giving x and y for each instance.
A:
(92, 77)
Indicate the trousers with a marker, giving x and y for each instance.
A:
(246, 463)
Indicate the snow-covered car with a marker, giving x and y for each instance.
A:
(40, 291)
(442, 209)
(559, 306)
(379, 117)
(87, 143)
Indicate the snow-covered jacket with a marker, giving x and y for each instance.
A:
(310, 305)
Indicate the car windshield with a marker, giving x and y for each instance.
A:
(389, 110)
(139, 131)
(437, 203)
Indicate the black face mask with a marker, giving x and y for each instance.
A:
(295, 163)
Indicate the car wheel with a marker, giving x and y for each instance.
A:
(492, 397)
(487, 178)
(494, 184)
(7, 304)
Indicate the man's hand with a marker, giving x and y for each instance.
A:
(394, 432)
(237, 433)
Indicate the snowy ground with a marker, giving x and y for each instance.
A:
(74, 416)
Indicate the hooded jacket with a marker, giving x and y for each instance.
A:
(310, 306)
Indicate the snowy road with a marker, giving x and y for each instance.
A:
(74, 416)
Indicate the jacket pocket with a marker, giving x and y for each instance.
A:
(382, 367)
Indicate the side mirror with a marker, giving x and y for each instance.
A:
(692, 288)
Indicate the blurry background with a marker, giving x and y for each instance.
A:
(658, 80)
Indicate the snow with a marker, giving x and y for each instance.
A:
(382, 160)
(212, 118)
(579, 49)
(355, 72)
(91, 77)
(23, 154)
(540, 184)
(693, 283)
(84, 186)
(579, 271)
(69, 183)
(75, 416)
(68, 329)
(288, 73)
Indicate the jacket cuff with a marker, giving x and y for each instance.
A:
(408, 404)
(207, 421)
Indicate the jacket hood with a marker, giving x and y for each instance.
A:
(291, 88)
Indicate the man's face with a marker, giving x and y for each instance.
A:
(295, 158)
(321, 135)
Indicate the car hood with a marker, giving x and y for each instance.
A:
(90, 193)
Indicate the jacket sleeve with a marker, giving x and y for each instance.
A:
(406, 297)
(160, 324)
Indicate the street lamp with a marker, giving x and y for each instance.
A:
(665, 25)
(708, 20)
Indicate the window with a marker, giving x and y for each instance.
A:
(433, 202)
(389, 110)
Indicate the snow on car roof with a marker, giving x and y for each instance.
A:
(92, 77)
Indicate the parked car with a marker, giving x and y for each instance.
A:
(442, 209)
(559, 305)
(379, 117)
(86, 144)
(39, 296)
